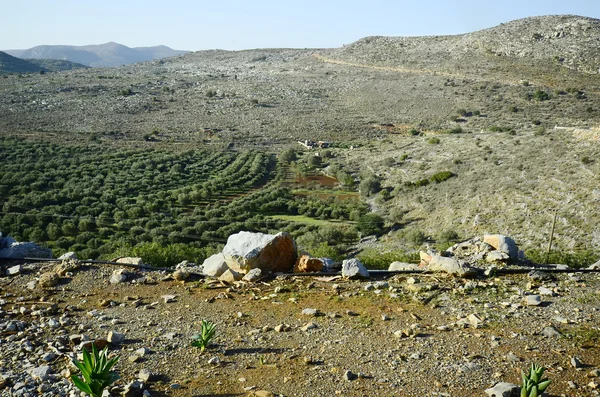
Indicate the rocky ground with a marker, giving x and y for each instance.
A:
(407, 335)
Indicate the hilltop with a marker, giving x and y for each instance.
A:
(101, 55)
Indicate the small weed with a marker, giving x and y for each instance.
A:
(202, 340)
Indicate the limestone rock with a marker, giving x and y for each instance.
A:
(353, 268)
(48, 279)
(497, 256)
(9, 248)
(231, 276)
(329, 265)
(308, 264)
(130, 260)
(503, 243)
(504, 389)
(270, 253)
(214, 265)
(119, 276)
(68, 255)
(181, 274)
(253, 275)
(399, 266)
(67, 266)
(532, 300)
(14, 270)
(41, 373)
(450, 266)
(115, 337)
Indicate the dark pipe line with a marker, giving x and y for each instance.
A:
(505, 271)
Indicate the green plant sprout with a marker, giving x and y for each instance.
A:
(207, 332)
(96, 372)
(533, 384)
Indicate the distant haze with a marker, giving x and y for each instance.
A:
(240, 24)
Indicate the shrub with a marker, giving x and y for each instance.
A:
(448, 236)
(375, 259)
(369, 185)
(540, 95)
(586, 160)
(441, 176)
(433, 141)
(415, 237)
(211, 93)
(370, 224)
(126, 92)
(414, 132)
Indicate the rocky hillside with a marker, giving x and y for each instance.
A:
(565, 40)
(101, 55)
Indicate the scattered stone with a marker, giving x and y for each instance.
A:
(214, 361)
(134, 358)
(282, 328)
(497, 256)
(133, 389)
(539, 275)
(3, 382)
(350, 376)
(504, 389)
(353, 268)
(263, 393)
(309, 326)
(594, 373)
(31, 285)
(14, 270)
(532, 300)
(270, 253)
(592, 385)
(48, 280)
(181, 274)
(66, 267)
(215, 265)
(576, 363)
(253, 275)
(168, 298)
(546, 291)
(119, 276)
(551, 332)
(230, 276)
(41, 373)
(142, 351)
(310, 312)
(144, 375)
(115, 337)
(100, 344)
(307, 264)
(474, 320)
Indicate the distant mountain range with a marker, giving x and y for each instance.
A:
(11, 64)
(100, 55)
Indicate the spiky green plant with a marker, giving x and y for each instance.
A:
(533, 384)
(96, 371)
(207, 332)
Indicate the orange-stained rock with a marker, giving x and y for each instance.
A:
(270, 253)
(308, 264)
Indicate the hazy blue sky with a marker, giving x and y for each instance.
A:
(238, 24)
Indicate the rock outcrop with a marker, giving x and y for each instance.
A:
(270, 253)
(10, 248)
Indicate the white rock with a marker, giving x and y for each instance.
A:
(400, 266)
(353, 268)
(214, 265)
(532, 300)
(14, 270)
(503, 389)
(269, 252)
(253, 275)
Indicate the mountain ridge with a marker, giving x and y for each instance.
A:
(110, 54)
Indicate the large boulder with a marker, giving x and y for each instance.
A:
(503, 243)
(439, 263)
(308, 264)
(214, 265)
(9, 248)
(270, 253)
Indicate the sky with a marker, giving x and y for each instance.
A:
(238, 24)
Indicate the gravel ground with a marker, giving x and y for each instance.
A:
(406, 335)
